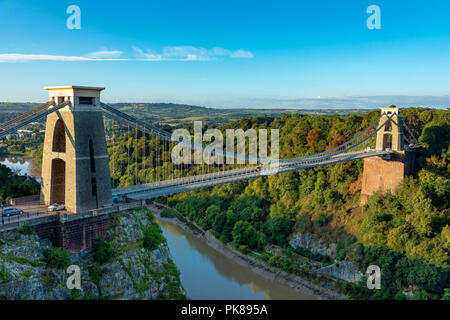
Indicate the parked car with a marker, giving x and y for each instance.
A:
(115, 198)
(56, 207)
(12, 212)
(267, 171)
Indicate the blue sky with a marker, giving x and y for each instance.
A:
(301, 54)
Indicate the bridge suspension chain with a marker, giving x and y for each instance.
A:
(33, 115)
(162, 173)
(164, 135)
(409, 131)
(25, 115)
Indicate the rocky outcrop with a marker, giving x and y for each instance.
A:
(133, 272)
(23, 273)
(343, 270)
(309, 241)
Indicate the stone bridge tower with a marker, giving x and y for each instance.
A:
(386, 173)
(75, 163)
(391, 134)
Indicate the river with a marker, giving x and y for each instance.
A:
(208, 274)
(205, 272)
(18, 165)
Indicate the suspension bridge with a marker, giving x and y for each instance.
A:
(76, 168)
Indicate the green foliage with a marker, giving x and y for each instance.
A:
(103, 251)
(420, 295)
(26, 229)
(15, 186)
(173, 289)
(381, 294)
(57, 258)
(400, 271)
(446, 295)
(244, 249)
(312, 255)
(244, 234)
(279, 262)
(400, 296)
(168, 213)
(95, 273)
(340, 251)
(278, 230)
(3, 274)
(407, 222)
(28, 273)
(322, 220)
(152, 236)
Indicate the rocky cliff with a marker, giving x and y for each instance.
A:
(343, 270)
(136, 264)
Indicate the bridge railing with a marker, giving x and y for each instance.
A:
(30, 218)
(101, 211)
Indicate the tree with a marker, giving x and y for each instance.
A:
(278, 230)
(211, 214)
(312, 138)
(102, 251)
(244, 234)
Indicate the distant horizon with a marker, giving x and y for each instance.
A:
(323, 103)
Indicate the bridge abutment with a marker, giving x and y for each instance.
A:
(74, 232)
(381, 174)
(81, 234)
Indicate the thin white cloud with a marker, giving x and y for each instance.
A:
(169, 53)
(148, 55)
(243, 54)
(105, 54)
(190, 53)
(19, 57)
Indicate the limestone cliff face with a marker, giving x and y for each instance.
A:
(343, 270)
(134, 271)
(310, 241)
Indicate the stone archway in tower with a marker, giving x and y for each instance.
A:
(59, 137)
(387, 140)
(58, 192)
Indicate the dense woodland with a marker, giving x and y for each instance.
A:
(407, 233)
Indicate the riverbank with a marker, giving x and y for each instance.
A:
(35, 170)
(259, 267)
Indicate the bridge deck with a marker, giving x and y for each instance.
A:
(154, 190)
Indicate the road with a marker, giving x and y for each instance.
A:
(32, 210)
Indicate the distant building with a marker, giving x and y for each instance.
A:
(23, 133)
